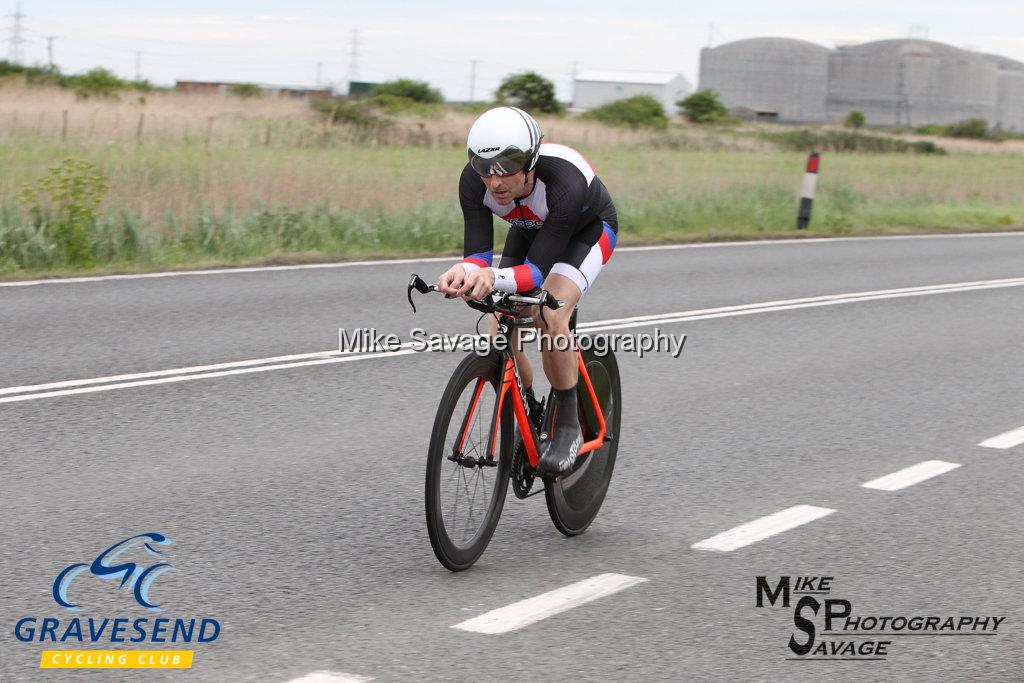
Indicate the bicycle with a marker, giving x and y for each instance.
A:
(479, 454)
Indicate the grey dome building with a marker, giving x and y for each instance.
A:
(911, 82)
(777, 78)
(1010, 93)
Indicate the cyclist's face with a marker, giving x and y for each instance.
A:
(506, 188)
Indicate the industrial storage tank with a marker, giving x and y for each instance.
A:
(911, 82)
(773, 78)
(1010, 93)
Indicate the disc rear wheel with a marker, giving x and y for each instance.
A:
(575, 498)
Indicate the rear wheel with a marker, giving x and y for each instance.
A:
(575, 498)
(465, 487)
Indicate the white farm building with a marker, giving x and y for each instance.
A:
(594, 88)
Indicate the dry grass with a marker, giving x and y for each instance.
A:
(217, 161)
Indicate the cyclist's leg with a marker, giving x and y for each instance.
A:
(517, 245)
(568, 280)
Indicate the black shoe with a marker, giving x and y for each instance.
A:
(560, 452)
(561, 436)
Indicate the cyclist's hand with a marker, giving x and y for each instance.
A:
(477, 284)
(451, 280)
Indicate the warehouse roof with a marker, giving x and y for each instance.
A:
(646, 77)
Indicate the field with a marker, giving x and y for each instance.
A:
(198, 180)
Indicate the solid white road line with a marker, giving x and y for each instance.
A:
(110, 382)
(794, 304)
(529, 611)
(181, 371)
(1006, 440)
(436, 259)
(762, 528)
(911, 475)
(330, 677)
(186, 378)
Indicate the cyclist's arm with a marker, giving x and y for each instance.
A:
(478, 242)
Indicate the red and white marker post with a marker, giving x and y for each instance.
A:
(803, 217)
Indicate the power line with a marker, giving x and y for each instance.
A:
(16, 38)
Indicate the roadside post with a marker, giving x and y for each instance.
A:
(803, 217)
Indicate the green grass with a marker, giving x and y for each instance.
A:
(177, 205)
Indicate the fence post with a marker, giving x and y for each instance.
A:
(209, 131)
(803, 217)
(64, 127)
(138, 131)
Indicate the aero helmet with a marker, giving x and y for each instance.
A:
(504, 141)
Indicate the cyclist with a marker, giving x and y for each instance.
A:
(562, 230)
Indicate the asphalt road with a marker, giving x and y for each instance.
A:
(293, 495)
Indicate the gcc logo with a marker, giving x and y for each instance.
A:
(137, 578)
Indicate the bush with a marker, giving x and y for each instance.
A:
(855, 119)
(64, 203)
(101, 83)
(634, 112)
(529, 91)
(968, 128)
(417, 91)
(804, 140)
(34, 75)
(356, 112)
(245, 90)
(703, 106)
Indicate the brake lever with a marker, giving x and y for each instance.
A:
(421, 286)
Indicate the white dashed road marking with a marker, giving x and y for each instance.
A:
(1007, 440)
(911, 475)
(330, 677)
(762, 528)
(529, 611)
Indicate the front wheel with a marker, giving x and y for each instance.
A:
(575, 498)
(465, 485)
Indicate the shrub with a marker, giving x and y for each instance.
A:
(969, 128)
(634, 112)
(64, 204)
(390, 104)
(98, 82)
(804, 140)
(101, 83)
(358, 112)
(530, 91)
(417, 91)
(245, 90)
(34, 75)
(855, 119)
(703, 106)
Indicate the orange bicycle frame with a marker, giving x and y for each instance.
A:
(508, 381)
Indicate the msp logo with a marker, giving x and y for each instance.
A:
(136, 578)
(829, 629)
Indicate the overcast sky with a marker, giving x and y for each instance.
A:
(436, 40)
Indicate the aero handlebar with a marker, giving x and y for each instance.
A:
(495, 302)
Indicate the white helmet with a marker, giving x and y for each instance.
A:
(504, 141)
